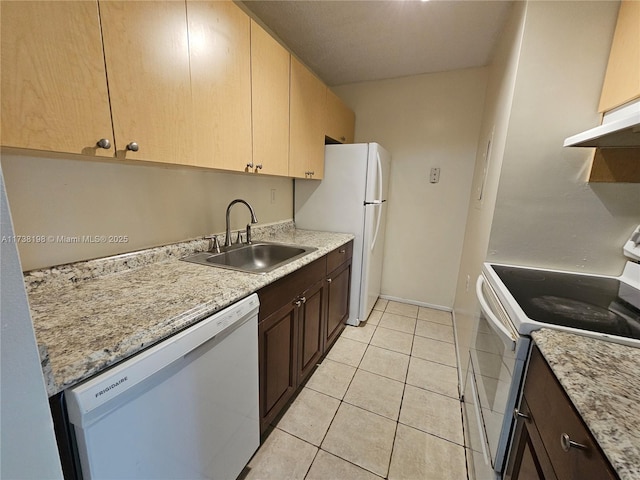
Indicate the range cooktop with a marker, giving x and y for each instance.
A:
(598, 304)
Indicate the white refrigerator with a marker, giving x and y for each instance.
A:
(352, 198)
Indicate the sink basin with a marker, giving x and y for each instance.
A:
(260, 257)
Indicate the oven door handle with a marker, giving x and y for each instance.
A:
(507, 336)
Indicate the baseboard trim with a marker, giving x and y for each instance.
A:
(415, 302)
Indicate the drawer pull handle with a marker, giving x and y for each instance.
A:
(342, 251)
(518, 414)
(566, 443)
(329, 280)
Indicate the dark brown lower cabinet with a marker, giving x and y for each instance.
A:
(301, 315)
(276, 336)
(310, 320)
(528, 458)
(338, 295)
(551, 441)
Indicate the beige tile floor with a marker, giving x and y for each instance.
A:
(382, 404)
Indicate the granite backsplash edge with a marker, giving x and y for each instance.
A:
(73, 273)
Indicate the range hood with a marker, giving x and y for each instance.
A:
(620, 128)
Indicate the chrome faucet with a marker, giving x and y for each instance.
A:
(227, 238)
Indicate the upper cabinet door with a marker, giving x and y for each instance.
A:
(220, 49)
(622, 80)
(54, 89)
(270, 63)
(147, 59)
(307, 121)
(340, 123)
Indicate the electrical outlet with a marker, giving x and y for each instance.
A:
(434, 176)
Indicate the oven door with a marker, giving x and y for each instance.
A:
(496, 365)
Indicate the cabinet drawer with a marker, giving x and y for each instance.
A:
(338, 256)
(273, 296)
(554, 417)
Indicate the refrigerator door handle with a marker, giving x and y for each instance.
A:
(375, 235)
(378, 202)
(375, 202)
(379, 175)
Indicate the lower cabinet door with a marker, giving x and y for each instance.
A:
(528, 458)
(276, 349)
(547, 422)
(310, 330)
(557, 421)
(338, 289)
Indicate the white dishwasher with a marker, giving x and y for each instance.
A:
(186, 408)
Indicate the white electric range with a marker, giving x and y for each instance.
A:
(517, 300)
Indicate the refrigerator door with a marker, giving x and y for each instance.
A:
(336, 204)
(377, 191)
(350, 199)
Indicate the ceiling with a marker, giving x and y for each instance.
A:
(355, 41)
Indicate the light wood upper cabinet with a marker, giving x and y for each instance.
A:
(54, 89)
(622, 80)
(306, 130)
(147, 60)
(340, 120)
(219, 49)
(180, 82)
(270, 63)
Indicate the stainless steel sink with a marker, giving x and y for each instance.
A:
(260, 257)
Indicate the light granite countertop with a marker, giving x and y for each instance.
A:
(602, 379)
(86, 321)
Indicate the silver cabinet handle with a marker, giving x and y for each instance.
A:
(303, 299)
(259, 166)
(133, 146)
(250, 165)
(518, 414)
(104, 143)
(329, 280)
(343, 250)
(297, 303)
(566, 443)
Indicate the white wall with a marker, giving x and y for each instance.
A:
(546, 213)
(27, 442)
(495, 123)
(150, 204)
(424, 121)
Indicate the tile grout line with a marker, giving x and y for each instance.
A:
(342, 401)
(404, 389)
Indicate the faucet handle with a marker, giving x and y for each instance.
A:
(239, 238)
(214, 244)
